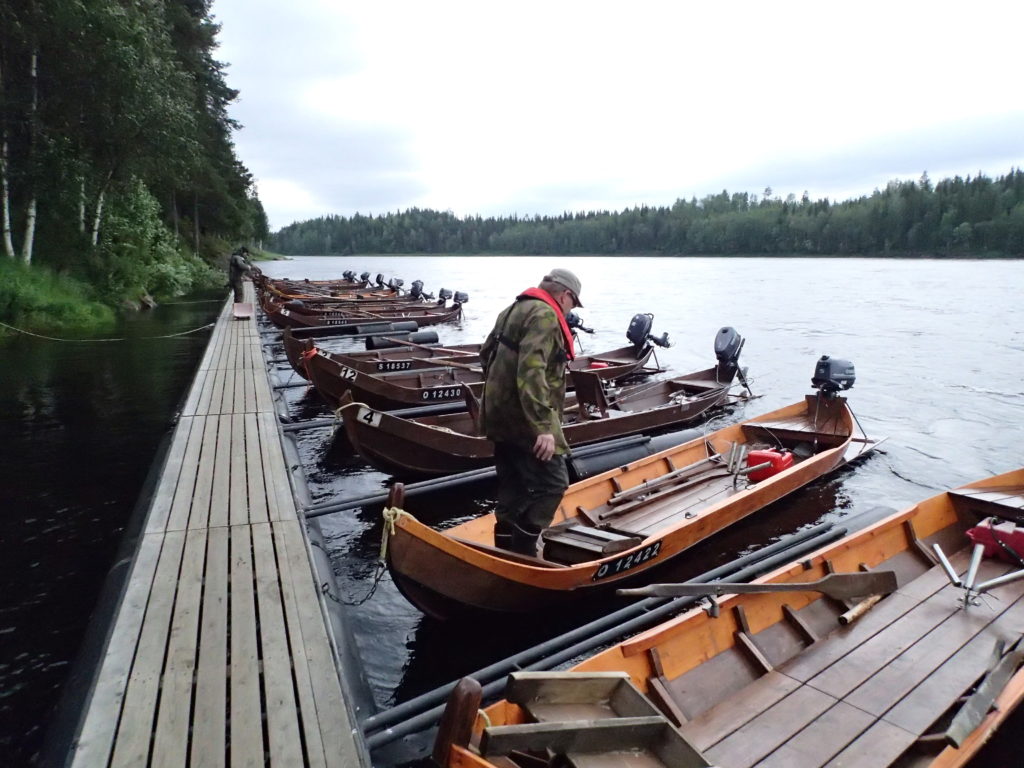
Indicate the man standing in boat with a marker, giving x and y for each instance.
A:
(524, 358)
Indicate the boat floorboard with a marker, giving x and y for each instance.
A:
(220, 652)
(867, 692)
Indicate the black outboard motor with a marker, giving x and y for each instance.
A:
(364, 277)
(575, 324)
(639, 332)
(380, 281)
(416, 290)
(395, 283)
(349, 275)
(460, 297)
(442, 296)
(832, 375)
(728, 344)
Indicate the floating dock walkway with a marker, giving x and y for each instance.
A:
(220, 653)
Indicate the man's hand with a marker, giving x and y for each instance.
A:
(544, 447)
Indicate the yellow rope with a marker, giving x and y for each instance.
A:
(483, 716)
(337, 413)
(391, 515)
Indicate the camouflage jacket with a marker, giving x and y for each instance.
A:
(524, 394)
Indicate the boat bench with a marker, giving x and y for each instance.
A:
(577, 543)
(1006, 503)
(591, 718)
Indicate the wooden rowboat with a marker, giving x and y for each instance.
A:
(617, 525)
(435, 446)
(440, 381)
(283, 317)
(794, 677)
(407, 356)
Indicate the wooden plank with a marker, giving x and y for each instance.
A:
(821, 740)
(725, 717)
(304, 673)
(769, 730)
(335, 720)
(195, 392)
(249, 403)
(257, 490)
(583, 736)
(275, 470)
(96, 740)
(185, 491)
(221, 486)
(879, 745)
(278, 692)
(209, 722)
(170, 742)
(174, 465)
(136, 727)
(246, 725)
(238, 496)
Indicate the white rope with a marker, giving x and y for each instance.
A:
(136, 338)
(391, 515)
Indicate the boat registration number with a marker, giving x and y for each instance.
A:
(442, 393)
(394, 365)
(627, 562)
(368, 416)
(347, 373)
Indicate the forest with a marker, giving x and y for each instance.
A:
(976, 216)
(118, 174)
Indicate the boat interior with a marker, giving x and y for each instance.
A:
(633, 512)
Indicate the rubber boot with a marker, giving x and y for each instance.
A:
(524, 540)
(503, 534)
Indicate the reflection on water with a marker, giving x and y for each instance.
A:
(79, 427)
(938, 358)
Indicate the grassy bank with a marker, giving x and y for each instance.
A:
(36, 299)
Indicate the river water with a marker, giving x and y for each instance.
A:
(938, 347)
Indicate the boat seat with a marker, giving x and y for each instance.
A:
(577, 543)
(589, 393)
(1006, 502)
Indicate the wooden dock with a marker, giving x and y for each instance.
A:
(220, 653)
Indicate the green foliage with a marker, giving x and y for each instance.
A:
(955, 217)
(137, 254)
(36, 299)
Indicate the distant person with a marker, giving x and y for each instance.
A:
(238, 267)
(525, 356)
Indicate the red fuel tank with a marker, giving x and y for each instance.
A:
(780, 460)
(1007, 533)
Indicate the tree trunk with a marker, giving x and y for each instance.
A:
(30, 209)
(95, 239)
(5, 189)
(81, 206)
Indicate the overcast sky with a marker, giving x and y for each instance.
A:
(496, 108)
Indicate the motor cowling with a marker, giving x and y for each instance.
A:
(364, 277)
(460, 297)
(380, 281)
(416, 289)
(349, 275)
(728, 344)
(832, 375)
(639, 332)
(395, 283)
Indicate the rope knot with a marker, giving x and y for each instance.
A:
(391, 515)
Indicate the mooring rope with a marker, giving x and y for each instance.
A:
(127, 338)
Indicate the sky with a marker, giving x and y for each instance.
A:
(493, 108)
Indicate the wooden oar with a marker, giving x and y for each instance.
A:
(841, 586)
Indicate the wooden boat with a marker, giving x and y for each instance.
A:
(445, 381)
(921, 677)
(404, 357)
(434, 446)
(617, 525)
(283, 317)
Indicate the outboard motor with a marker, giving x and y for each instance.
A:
(416, 290)
(349, 275)
(460, 297)
(364, 277)
(380, 281)
(728, 344)
(442, 296)
(639, 332)
(395, 283)
(832, 375)
(575, 324)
